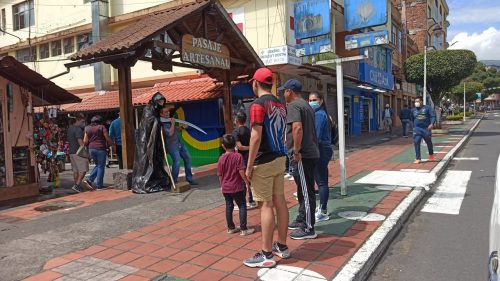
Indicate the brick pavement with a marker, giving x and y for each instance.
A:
(194, 245)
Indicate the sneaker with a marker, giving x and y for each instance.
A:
(291, 179)
(260, 260)
(90, 184)
(247, 232)
(251, 205)
(431, 158)
(418, 161)
(232, 230)
(284, 254)
(77, 188)
(294, 225)
(301, 234)
(288, 176)
(295, 194)
(320, 216)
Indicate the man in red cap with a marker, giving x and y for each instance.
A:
(265, 168)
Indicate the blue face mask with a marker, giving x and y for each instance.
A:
(314, 104)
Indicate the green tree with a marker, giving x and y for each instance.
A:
(445, 69)
(471, 88)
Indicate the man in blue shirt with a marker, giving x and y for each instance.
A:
(404, 116)
(175, 148)
(423, 118)
(115, 133)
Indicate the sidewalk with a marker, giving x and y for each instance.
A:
(194, 245)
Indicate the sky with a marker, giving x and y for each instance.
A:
(475, 25)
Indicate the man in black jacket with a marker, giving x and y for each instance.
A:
(404, 116)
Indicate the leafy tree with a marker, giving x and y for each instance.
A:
(445, 69)
(471, 88)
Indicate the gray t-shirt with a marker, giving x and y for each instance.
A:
(300, 111)
(74, 133)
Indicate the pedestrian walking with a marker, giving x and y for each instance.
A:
(266, 159)
(79, 165)
(97, 138)
(233, 182)
(387, 115)
(115, 133)
(175, 148)
(423, 118)
(241, 136)
(323, 127)
(302, 145)
(404, 116)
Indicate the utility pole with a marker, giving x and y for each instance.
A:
(464, 101)
(425, 75)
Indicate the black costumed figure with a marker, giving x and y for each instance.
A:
(149, 174)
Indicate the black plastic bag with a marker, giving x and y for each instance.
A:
(149, 174)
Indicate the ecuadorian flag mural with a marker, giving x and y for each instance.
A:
(204, 149)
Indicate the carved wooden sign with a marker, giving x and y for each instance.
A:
(205, 52)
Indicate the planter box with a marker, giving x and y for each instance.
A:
(452, 122)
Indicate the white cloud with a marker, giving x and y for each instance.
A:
(475, 15)
(485, 44)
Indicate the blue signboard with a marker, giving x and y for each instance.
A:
(312, 18)
(365, 13)
(314, 47)
(377, 70)
(373, 38)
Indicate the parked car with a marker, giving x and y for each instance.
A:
(495, 230)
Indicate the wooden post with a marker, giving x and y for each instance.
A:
(126, 115)
(228, 108)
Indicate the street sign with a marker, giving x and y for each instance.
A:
(365, 13)
(312, 18)
(279, 55)
(314, 47)
(373, 38)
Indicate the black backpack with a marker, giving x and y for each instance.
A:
(334, 132)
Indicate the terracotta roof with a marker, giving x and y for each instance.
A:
(134, 34)
(174, 91)
(45, 92)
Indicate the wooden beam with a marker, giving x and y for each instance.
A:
(187, 27)
(200, 24)
(219, 38)
(159, 44)
(99, 59)
(126, 115)
(228, 108)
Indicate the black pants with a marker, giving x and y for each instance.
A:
(119, 156)
(303, 174)
(239, 198)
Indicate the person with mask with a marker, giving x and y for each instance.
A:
(323, 127)
(387, 114)
(404, 116)
(148, 174)
(79, 165)
(423, 118)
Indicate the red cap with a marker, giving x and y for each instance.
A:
(263, 75)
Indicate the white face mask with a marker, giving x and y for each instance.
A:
(417, 104)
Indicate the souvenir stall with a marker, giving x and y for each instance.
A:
(22, 89)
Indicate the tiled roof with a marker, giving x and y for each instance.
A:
(131, 36)
(174, 91)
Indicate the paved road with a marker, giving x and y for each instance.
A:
(443, 246)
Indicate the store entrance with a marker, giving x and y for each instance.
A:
(367, 115)
(347, 115)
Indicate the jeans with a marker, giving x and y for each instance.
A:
(304, 179)
(99, 156)
(176, 155)
(405, 122)
(119, 156)
(418, 135)
(321, 174)
(239, 198)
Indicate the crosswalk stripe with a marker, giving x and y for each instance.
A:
(466, 158)
(448, 197)
(443, 146)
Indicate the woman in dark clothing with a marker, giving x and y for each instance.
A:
(97, 139)
(323, 126)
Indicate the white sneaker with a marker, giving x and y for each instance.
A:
(288, 176)
(320, 216)
(251, 206)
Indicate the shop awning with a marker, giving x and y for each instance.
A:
(175, 91)
(45, 92)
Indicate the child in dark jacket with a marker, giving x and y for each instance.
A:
(231, 172)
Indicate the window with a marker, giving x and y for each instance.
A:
(44, 51)
(26, 55)
(3, 22)
(55, 48)
(23, 15)
(84, 40)
(400, 41)
(394, 33)
(69, 45)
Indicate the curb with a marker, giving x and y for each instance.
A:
(362, 262)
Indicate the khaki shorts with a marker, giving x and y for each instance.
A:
(267, 180)
(79, 164)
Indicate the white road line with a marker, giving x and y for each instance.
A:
(440, 152)
(443, 146)
(446, 141)
(398, 178)
(466, 158)
(449, 194)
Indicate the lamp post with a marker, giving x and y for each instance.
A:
(425, 75)
(464, 101)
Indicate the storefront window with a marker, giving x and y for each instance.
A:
(55, 48)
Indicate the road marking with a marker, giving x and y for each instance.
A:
(455, 138)
(447, 141)
(449, 194)
(443, 146)
(466, 158)
(440, 152)
(285, 272)
(398, 178)
(415, 170)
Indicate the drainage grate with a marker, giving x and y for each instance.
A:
(58, 205)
